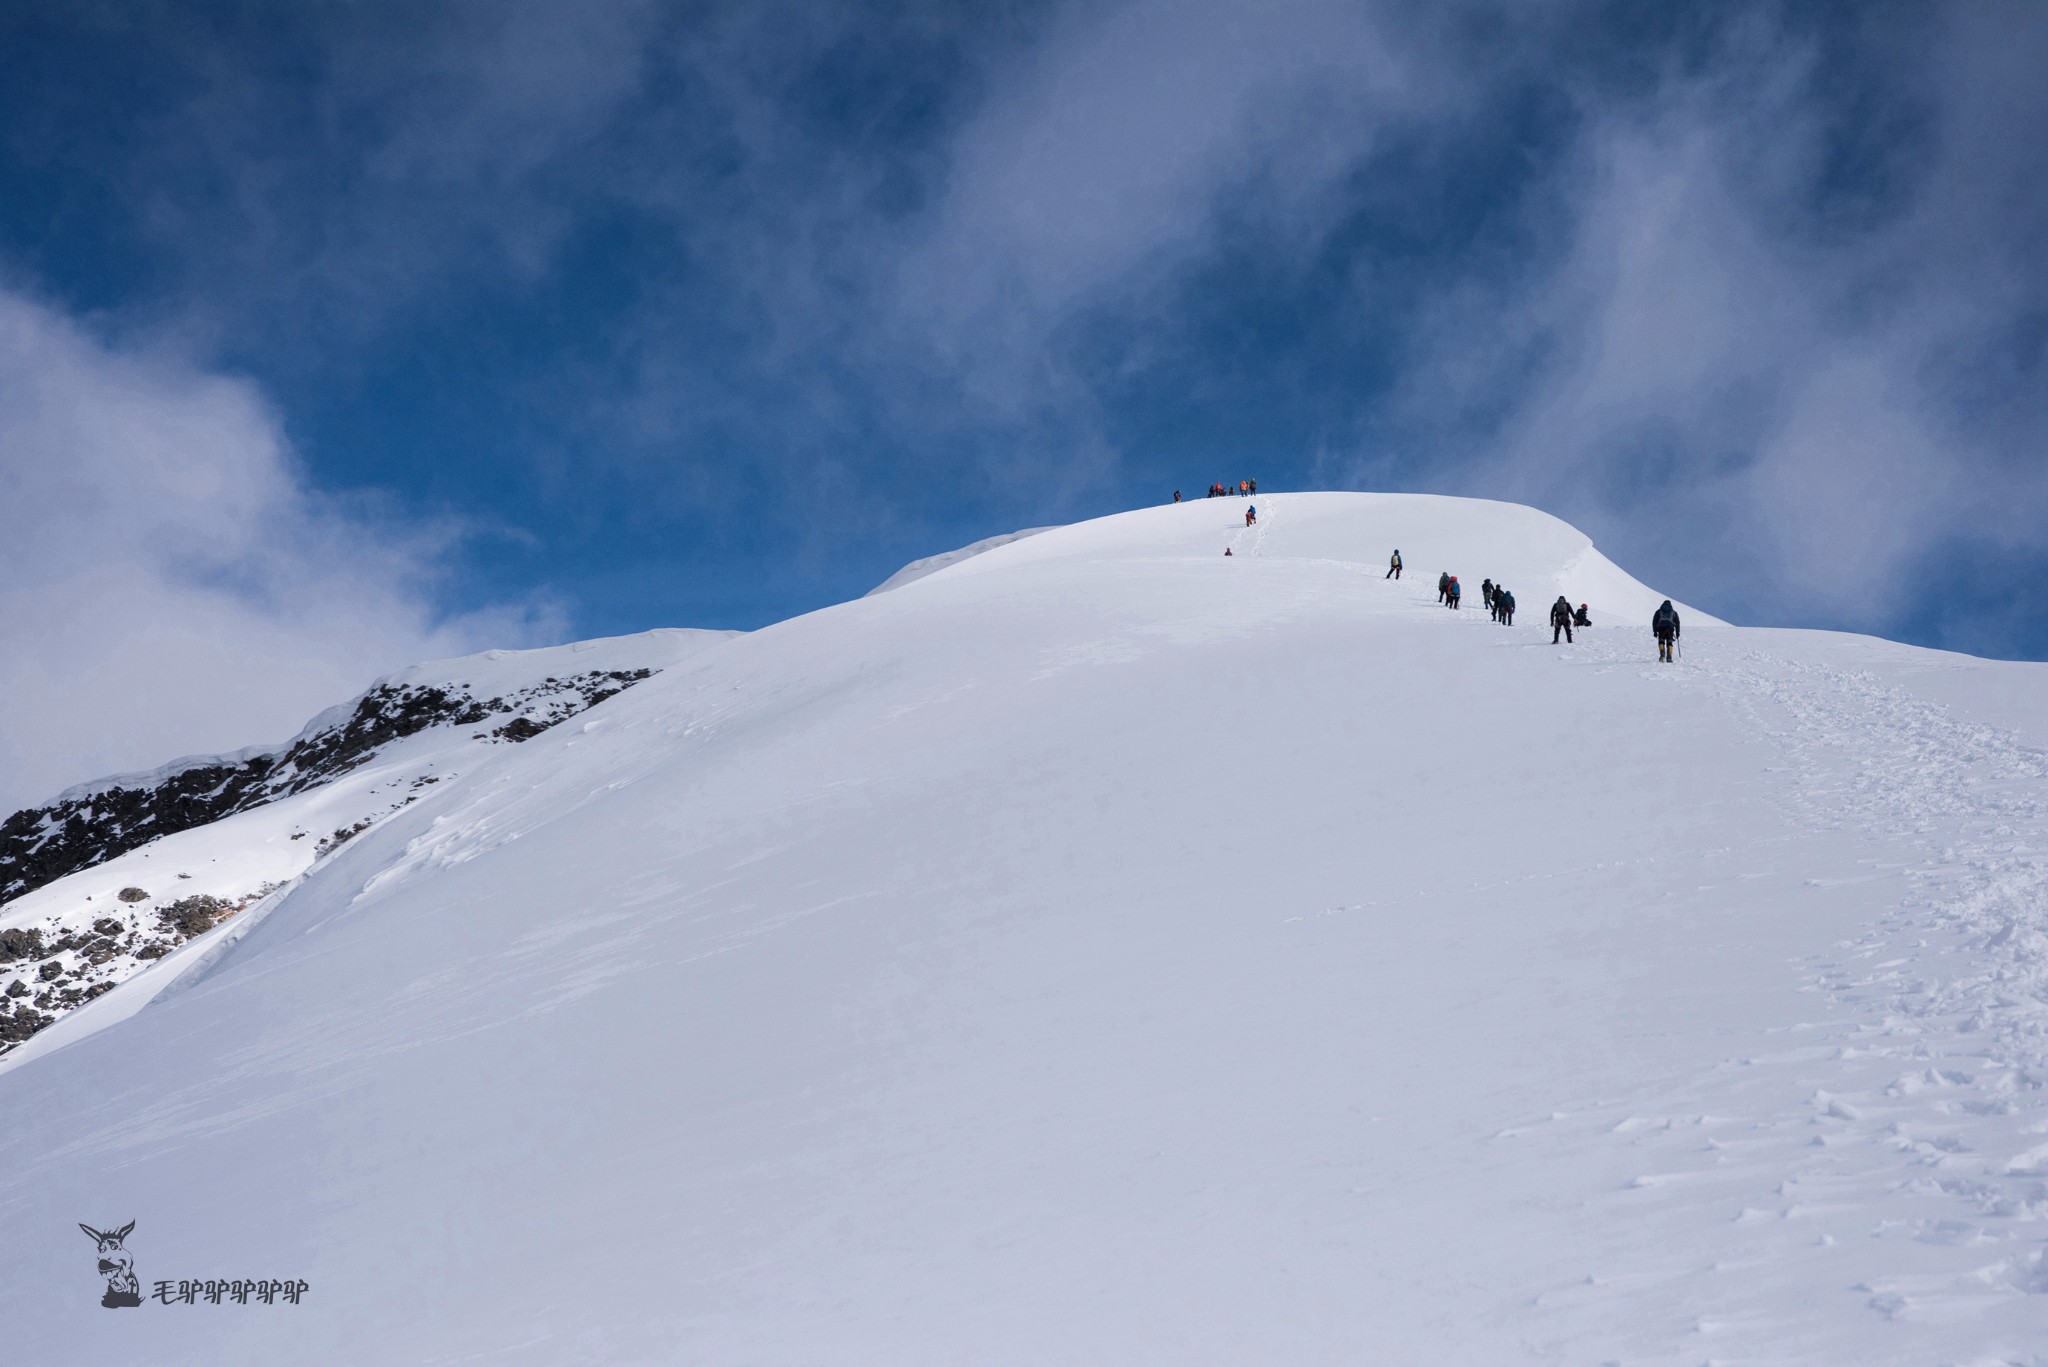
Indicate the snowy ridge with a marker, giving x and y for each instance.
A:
(476, 676)
(932, 564)
(1103, 950)
(115, 875)
(155, 778)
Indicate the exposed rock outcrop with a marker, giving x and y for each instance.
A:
(42, 844)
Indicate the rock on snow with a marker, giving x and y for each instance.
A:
(111, 876)
(1103, 951)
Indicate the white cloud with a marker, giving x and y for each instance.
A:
(1634, 306)
(1782, 407)
(1107, 159)
(167, 585)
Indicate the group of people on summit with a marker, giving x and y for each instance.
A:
(1244, 488)
(1500, 602)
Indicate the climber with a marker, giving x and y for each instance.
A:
(1581, 618)
(1394, 566)
(1561, 620)
(1664, 626)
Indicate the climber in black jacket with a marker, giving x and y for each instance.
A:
(1561, 620)
(1664, 626)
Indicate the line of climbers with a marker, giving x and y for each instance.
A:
(1500, 602)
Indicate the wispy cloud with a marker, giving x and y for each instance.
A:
(1751, 363)
(1752, 292)
(167, 584)
(1108, 155)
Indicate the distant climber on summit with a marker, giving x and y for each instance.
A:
(1451, 591)
(1561, 620)
(1486, 594)
(1504, 604)
(1251, 515)
(1664, 626)
(1394, 566)
(1176, 495)
(1443, 587)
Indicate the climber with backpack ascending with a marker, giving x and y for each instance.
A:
(1394, 566)
(1664, 626)
(1561, 620)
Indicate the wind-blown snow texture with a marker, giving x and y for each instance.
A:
(1104, 951)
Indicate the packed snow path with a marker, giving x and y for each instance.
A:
(1895, 1146)
(1103, 950)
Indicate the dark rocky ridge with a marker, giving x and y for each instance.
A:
(46, 985)
(39, 845)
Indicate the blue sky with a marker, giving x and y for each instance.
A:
(332, 336)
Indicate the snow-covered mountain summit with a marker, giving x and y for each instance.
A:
(1104, 950)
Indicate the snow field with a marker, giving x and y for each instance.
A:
(1100, 950)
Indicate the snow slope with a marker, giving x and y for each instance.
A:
(932, 564)
(1104, 951)
(294, 805)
